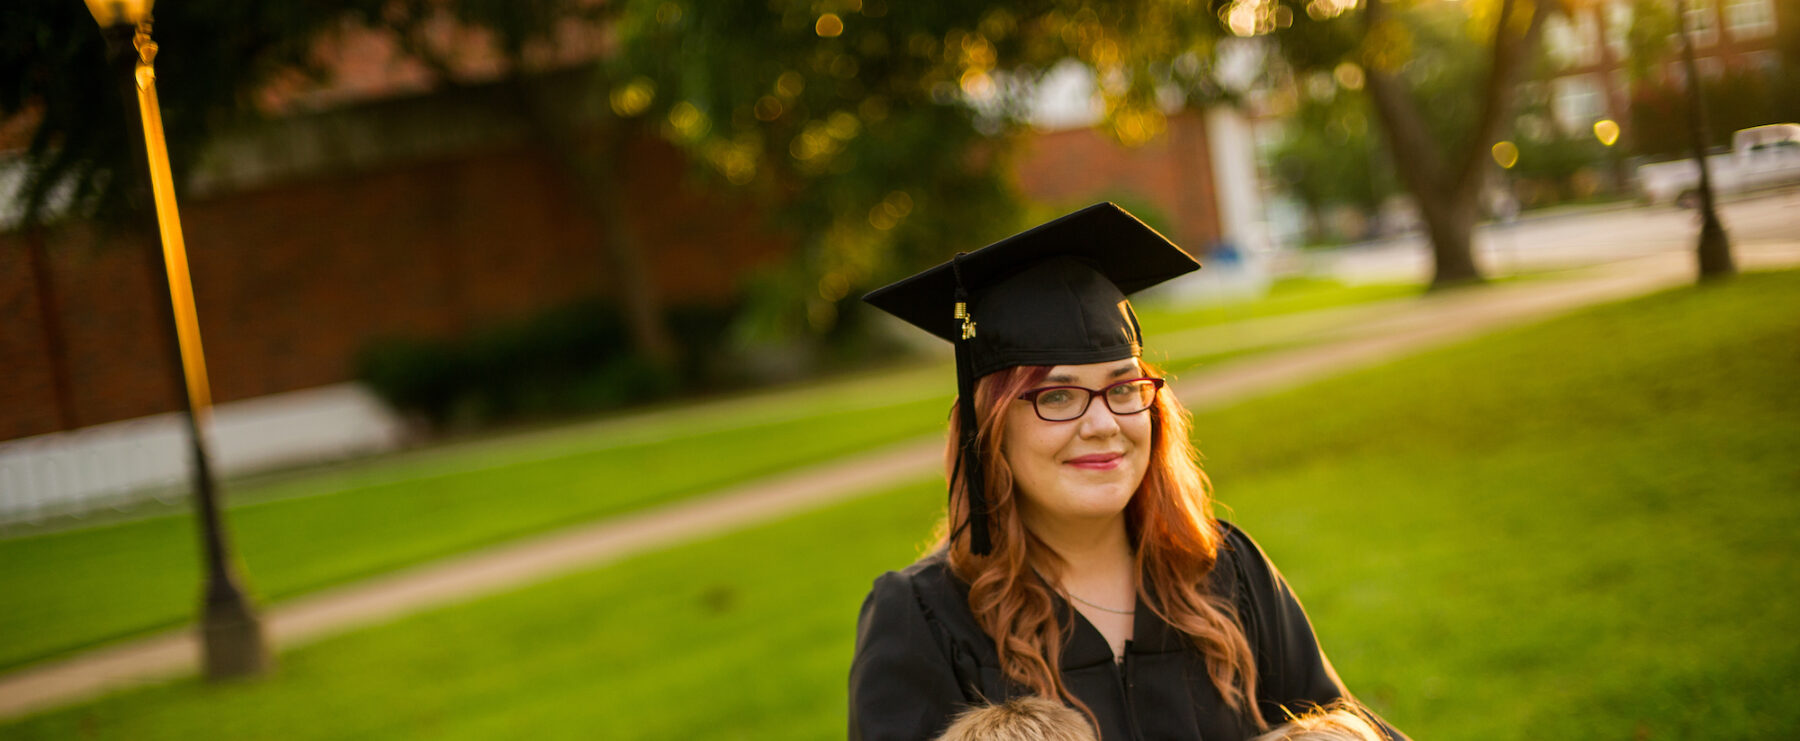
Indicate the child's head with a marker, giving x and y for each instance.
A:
(1024, 719)
(1336, 722)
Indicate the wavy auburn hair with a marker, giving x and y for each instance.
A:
(1171, 528)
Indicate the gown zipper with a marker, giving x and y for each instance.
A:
(1123, 669)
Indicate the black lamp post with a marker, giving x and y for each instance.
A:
(1714, 250)
(231, 634)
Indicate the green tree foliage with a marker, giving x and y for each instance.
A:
(880, 132)
(1433, 46)
(217, 52)
(1329, 156)
(1650, 41)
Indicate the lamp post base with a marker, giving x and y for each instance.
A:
(1714, 249)
(231, 639)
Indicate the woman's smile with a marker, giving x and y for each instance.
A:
(1097, 461)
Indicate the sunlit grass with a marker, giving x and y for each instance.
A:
(1580, 530)
(1576, 530)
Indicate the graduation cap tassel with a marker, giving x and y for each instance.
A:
(968, 455)
(970, 463)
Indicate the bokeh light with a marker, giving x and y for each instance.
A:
(1607, 131)
(1506, 154)
(768, 108)
(891, 210)
(633, 97)
(977, 84)
(688, 121)
(790, 84)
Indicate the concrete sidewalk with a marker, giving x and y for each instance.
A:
(1357, 338)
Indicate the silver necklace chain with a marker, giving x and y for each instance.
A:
(1102, 608)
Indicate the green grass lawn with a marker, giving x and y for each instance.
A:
(65, 590)
(1576, 530)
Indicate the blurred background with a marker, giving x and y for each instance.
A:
(478, 275)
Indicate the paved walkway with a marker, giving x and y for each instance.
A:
(1343, 340)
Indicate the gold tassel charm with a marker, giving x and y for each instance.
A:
(962, 313)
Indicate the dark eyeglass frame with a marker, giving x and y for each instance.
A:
(1032, 395)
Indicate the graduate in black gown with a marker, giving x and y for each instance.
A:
(1079, 560)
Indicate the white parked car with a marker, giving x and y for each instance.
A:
(1760, 157)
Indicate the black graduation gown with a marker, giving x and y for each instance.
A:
(921, 658)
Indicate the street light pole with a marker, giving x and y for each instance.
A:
(231, 633)
(1714, 250)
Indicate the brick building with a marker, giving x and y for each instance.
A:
(1588, 48)
(294, 278)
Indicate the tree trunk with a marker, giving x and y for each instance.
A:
(50, 315)
(1446, 190)
(1447, 207)
(1450, 220)
(635, 282)
(597, 175)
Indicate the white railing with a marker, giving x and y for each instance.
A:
(122, 464)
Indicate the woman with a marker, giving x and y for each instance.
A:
(1079, 559)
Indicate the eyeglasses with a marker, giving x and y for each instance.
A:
(1063, 403)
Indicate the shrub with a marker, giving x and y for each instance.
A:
(567, 360)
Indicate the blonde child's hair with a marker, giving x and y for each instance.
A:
(1338, 721)
(1030, 718)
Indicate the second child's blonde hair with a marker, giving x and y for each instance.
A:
(1029, 718)
(1335, 722)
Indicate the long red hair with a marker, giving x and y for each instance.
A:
(1169, 521)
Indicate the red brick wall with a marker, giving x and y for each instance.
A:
(1172, 171)
(292, 281)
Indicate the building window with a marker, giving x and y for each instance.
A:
(1618, 28)
(1573, 43)
(1559, 41)
(1700, 25)
(1711, 68)
(1578, 101)
(1749, 19)
(1587, 39)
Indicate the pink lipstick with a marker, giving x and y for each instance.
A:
(1097, 461)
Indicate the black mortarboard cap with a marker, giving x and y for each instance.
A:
(1051, 295)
